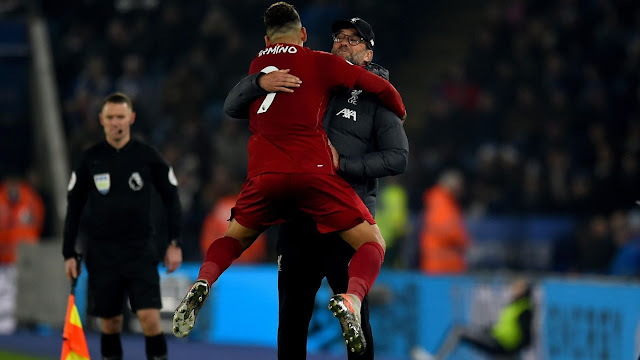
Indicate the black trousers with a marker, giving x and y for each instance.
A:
(305, 257)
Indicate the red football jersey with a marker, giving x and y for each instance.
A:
(287, 133)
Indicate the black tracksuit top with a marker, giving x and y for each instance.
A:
(117, 186)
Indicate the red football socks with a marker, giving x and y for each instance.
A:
(221, 253)
(364, 268)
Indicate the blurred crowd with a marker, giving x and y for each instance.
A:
(544, 112)
(541, 118)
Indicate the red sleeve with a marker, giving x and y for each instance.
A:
(347, 75)
(339, 71)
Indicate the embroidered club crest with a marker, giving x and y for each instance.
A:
(135, 181)
(354, 97)
(103, 182)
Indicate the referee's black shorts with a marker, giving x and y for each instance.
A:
(108, 286)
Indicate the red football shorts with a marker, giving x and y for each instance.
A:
(273, 198)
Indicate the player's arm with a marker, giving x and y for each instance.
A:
(391, 151)
(341, 73)
(383, 89)
(237, 103)
(78, 191)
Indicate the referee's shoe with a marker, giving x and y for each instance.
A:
(346, 307)
(185, 315)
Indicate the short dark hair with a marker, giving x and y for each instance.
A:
(118, 98)
(281, 18)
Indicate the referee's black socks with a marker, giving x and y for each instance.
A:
(156, 347)
(110, 346)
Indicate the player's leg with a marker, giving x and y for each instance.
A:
(221, 253)
(250, 216)
(299, 278)
(143, 287)
(335, 206)
(105, 300)
(336, 269)
(364, 268)
(365, 263)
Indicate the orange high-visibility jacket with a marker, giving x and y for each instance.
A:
(215, 225)
(21, 219)
(443, 239)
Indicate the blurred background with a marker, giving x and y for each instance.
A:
(526, 112)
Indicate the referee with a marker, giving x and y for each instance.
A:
(115, 178)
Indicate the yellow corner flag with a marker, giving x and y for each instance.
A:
(74, 344)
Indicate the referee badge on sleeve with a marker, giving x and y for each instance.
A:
(103, 182)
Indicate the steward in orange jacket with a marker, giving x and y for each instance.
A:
(444, 239)
(21, 217)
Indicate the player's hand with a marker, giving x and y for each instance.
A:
(335, 156)
(404, 117)
(173, 258)
(279, 80)
(71, 268)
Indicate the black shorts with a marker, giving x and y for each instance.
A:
(108, 286)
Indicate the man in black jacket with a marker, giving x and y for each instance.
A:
(115, 178)
(371, 143)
